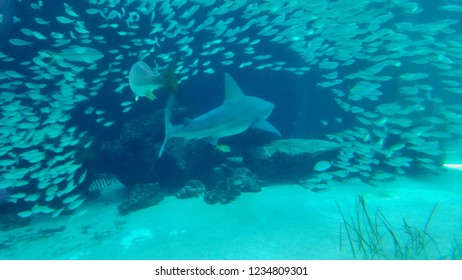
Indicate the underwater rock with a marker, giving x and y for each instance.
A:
(289, 159)
(200, 157)
(193, 188)
(136, 131)
(235, 161)
(132, 157)
(194, 159)
(245, 180)
(313, 186)
(230, 186)
(141, 196)
(224, 192)
(112, 149)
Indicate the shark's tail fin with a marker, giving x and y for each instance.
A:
(171, 80)
(168, 125)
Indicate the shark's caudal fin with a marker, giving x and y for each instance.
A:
(168, 125)
(170, 80)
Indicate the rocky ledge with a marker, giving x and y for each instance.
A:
(289, 159)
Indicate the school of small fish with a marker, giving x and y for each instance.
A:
(361, 48)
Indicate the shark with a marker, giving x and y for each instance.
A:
(236, 114)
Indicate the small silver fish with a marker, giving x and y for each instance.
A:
(103, 182)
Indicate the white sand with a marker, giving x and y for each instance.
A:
(281, 222)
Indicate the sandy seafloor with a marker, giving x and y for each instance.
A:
(281, 222)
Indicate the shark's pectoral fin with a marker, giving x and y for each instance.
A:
(212, 140)
(266, 126)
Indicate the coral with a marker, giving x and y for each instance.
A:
(233, 182)
(141, 196)
(224, 192)
(193, 188)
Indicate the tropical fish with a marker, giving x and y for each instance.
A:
(237, 113)
(103, 182)
(144, 81)
(223, 148)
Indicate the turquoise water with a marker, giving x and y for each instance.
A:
(278, 119)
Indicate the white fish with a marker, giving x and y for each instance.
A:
(69, 11)
(322, 166)
(457, 166)
(70, 199)
(82, 177)
(92, 11)
(89, 110)
(64, 20)
(57, 212)
(79, 54)
(39, 35)
(41, 21)
(74, 205)
(18, 195)
(19, 42)
(24, 214)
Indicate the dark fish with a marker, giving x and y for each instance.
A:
(103, 182)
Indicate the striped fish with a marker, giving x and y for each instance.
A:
(103, 182)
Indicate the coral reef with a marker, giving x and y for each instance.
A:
(141, 196)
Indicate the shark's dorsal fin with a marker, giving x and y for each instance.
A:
(232, 91)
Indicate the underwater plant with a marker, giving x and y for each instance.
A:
(374, 237)
(456, 253)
